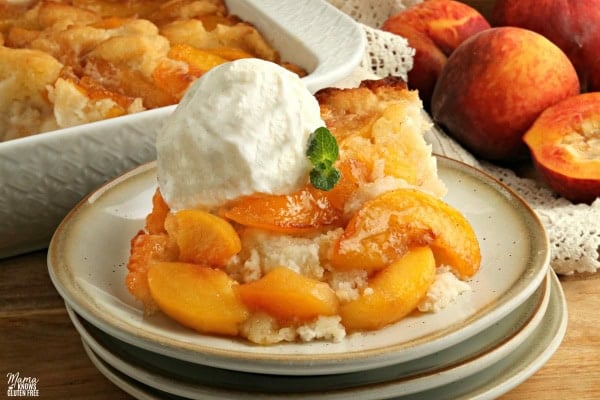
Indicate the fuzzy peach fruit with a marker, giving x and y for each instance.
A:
(434, 29)
(572, 25)
(565, 146)
(495, 85)
(428, 62)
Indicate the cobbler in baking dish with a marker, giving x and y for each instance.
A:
(70, 62)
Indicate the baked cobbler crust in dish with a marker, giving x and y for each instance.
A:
(70, 62)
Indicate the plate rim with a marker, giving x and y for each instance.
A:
(302, 364)
(411, 381)
(486, 389)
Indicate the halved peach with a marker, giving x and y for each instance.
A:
(289, 296)
(386, 227)
(202, 238)
(199, 297)
(393, 293)
(565, 147)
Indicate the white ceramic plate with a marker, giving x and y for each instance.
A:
(190, 380)
(488, 383)
(43, 176)
(88, 255)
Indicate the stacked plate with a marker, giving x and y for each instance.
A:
(481, 346)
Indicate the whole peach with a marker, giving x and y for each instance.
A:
(573, 25)
(495, 85)
(565, 147)
(428, 62)
(434, 28)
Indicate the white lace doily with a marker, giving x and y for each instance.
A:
(573, 229)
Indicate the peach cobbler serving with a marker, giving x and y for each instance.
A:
(292, 217)
(69, 62)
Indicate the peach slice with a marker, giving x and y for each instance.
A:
(229, 53)
(211, 21)
(95, 91)
(305, 210)
(385, 228)
(394, 292)
(175, 80)
(155, 221)
(289, 296)
(199, 297)
(354, 173)
(203, 238)
(565, 147)
(146, 250)
(172, 80)
(127, 81)
(198, 60)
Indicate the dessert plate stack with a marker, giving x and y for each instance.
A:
(481, 346)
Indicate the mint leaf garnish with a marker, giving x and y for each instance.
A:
(323, 152)
(324, 180)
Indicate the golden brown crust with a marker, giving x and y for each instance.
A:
(381, 125)
(119, 57)
(387, 84)
(349, 111)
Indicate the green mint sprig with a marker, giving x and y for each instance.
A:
(323, 152)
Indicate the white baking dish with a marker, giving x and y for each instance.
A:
(43, 176)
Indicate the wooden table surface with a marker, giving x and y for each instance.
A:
(38, 340)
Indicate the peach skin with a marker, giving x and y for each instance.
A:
(495, 85)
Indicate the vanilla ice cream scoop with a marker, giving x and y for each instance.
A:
(242, 128)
